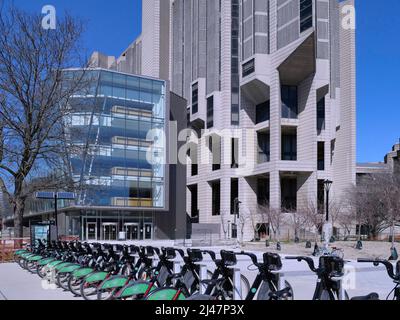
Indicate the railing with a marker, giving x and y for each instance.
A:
(9, 245)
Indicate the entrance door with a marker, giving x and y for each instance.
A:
(148, 231)
(109, 231)
(91, 231)
(132, 231)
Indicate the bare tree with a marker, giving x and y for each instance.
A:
(298, 221)
(375, 201)
(387, 185)
(275, 219)
(34, 95)
(313, 217)
(336, 210)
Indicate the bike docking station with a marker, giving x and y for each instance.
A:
(237, 283)
(202, 276)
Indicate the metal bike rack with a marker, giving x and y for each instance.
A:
(237, 285)
(176, 268)
(202, 276)
(342, 291)
(281, 280)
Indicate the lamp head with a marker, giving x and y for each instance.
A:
(328, 184)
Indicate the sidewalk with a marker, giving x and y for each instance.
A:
(18, 284)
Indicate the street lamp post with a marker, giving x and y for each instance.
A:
(328, 227)
(236, 203)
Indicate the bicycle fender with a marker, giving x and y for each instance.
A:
(96, 277)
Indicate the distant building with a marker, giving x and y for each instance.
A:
(121, 188)
(391, 163)
(282, 73)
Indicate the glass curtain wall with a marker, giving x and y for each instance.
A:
(119, 132)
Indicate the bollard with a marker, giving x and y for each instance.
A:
(278, 246)
(316, 250)
(296, 240)
(267, 244)
(359, 245)
(308, 245)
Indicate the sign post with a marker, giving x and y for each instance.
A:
(55, 196)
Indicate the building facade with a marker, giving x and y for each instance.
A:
(150, 54)
(120, 133)
(271, 96)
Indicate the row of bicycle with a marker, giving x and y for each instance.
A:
(120, 272)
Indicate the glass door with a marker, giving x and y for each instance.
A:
(148, 231)
(109, 231)
(91, 231)
(132, 231)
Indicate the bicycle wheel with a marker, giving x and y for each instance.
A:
(74, 285)
(228, 288)
(89, 290)
(126, 270)
(62, 280)
(327, 295)
(106, 294)
(265, 290)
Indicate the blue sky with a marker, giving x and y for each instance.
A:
(113, 24)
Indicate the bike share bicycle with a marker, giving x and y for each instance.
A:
(134, 271)
(188, 281)
(330, 271)
(395, 276)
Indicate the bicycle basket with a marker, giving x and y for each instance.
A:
(195, 255)
(149, 251)
(272, 261)
(228, 258)
(170, 253)
(333, 266)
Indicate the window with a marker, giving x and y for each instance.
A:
(216, 198)
(194, 211)
(289, 194)
(215, 148)
(248, 68)
(289, 147)
(210, 112)
(188, 118)
(234, 194)
(193, 158)
(306, 15)
(333, 146)
(235, 153)
(235, 62)
(195, 98)
(262, 192)
(263, 147)
(262, 112)
(321, 115)
(321, 156)
(289, 102)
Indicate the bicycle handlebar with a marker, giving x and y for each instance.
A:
(309, 261)
(210, 253)
(386, 263)
(252, 256)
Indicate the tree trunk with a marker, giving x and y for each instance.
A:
(19, 208)
(393, 233)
